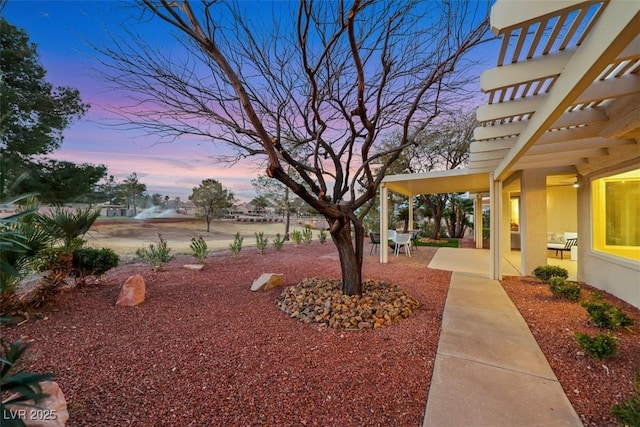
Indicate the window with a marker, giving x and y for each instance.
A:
(616, 213)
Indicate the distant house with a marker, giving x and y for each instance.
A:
(558, 146)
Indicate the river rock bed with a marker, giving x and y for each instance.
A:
(320, 300)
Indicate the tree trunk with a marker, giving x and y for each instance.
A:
(350, 253)
(437, 223)
(437, 204)
(437, 207)
(459, 224)
(209, 224)
(447, 224)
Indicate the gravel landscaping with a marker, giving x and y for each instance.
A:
(202, 349)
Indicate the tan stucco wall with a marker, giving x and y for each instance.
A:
(562, 209)
(533, 237)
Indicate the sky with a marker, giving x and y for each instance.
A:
(64, 32)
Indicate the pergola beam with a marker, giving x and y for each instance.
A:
(573, 118)
(528, 71)
(578, 144)
(598, 91)
(603, 45)
(504, 16)
(488, 155)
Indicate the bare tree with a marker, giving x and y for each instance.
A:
(313, 89)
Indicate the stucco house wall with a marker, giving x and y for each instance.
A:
(562, 209)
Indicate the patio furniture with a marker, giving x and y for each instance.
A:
(561, 242)
(375, 241)
(403, 240)
(391, 236)
(566, 248)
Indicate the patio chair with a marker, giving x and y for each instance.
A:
(375, 241)
(391, 236)
(403, 240)
(567, 247)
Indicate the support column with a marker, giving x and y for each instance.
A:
(384, 223)
(505, 220)
(533, 220)
(410, 212)
(477, 212)
(495, 249)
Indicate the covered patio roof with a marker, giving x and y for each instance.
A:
(566, 87)
(563, 96)
(447, 181)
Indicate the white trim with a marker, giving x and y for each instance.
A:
(623, 262)
(384, 224)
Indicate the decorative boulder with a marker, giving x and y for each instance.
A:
(267, 281)
(50, 412)
(195, 267)
(132, 292)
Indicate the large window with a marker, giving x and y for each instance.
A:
(616, 214)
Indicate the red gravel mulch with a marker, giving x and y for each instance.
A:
(593, 386)
(204, 350)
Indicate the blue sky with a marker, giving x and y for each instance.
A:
(64, 32)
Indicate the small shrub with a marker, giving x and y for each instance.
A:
(322, 236)
(628, 411)
(236, 246)
(546, 272)
(55, 262)
(199, 249)
(307, 235)
(600, 346)
(278, 241)
(158, 255)
(604, 314)
(94, 262)
(296, 236)
(58, 266)
(26, 385)
(561, 288)
(261, 243)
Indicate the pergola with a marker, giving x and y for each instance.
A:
(563, 97)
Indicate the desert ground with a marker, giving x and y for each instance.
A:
(124, 236)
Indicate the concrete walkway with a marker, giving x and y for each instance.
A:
(489, 370)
